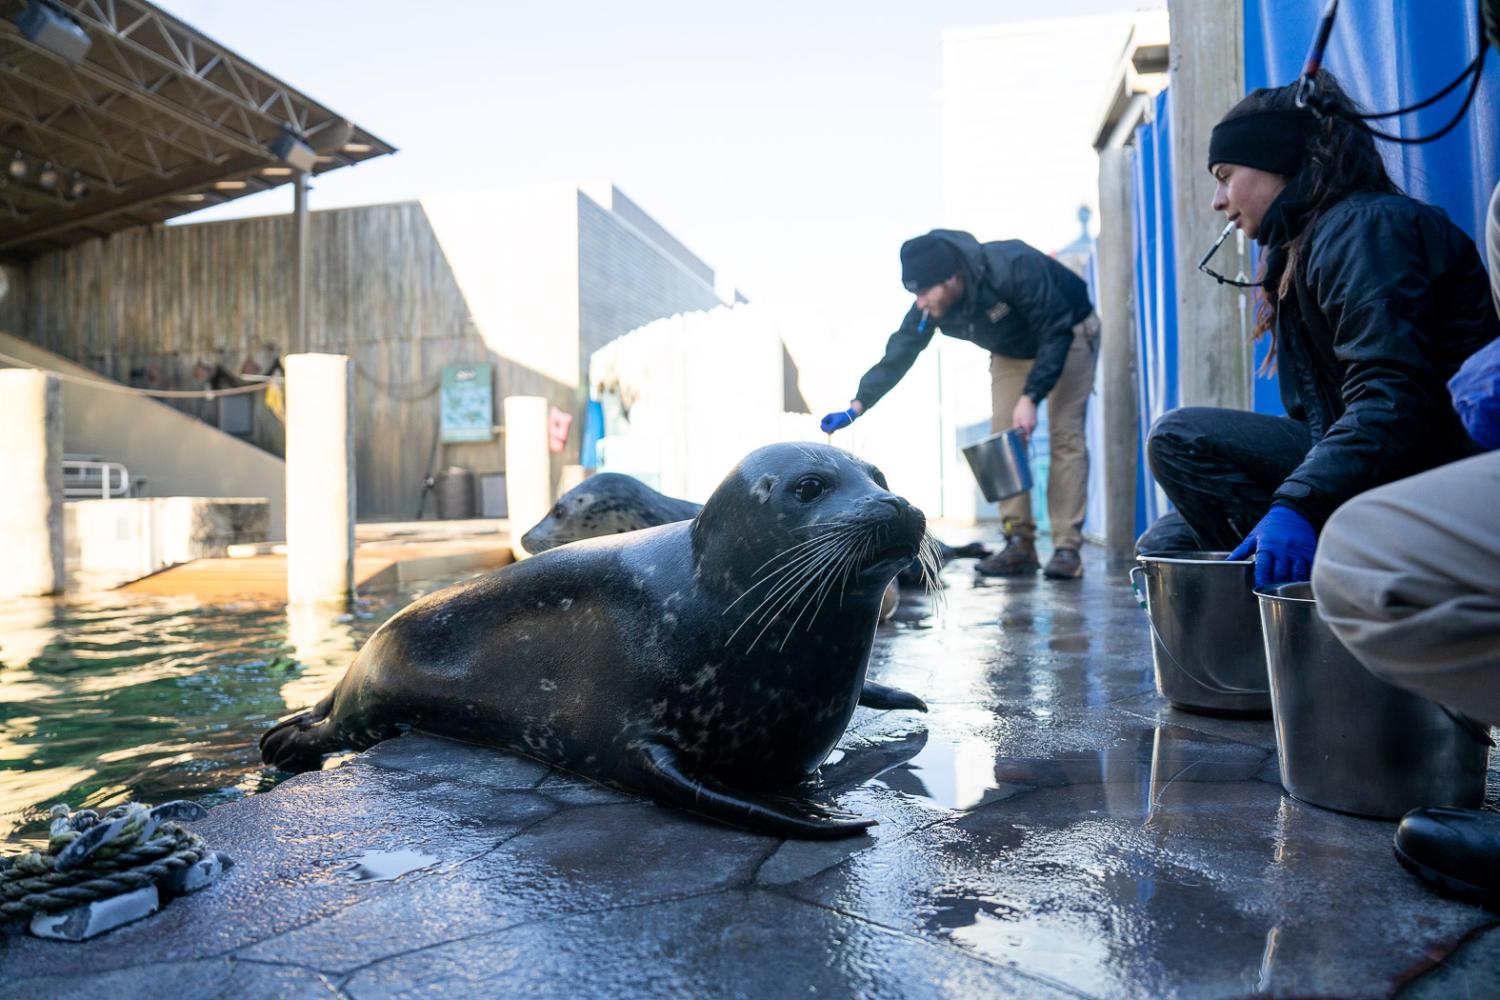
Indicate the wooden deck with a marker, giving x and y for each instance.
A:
(377, 565)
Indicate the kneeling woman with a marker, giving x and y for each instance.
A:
(1372, 301)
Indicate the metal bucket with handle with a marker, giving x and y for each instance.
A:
(1001, 464)
(1347, 740)
(1205, 631)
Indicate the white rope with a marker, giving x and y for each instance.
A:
(95, 383)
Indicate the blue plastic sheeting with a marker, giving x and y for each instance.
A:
(1431, 43)
(1389, 55)
(593, 430)
(1155, 293)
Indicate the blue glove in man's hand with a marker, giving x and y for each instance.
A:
(838, 421)
(1284, 544)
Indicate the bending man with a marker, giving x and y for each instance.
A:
(1034, 318)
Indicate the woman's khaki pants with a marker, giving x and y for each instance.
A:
(1067, 403)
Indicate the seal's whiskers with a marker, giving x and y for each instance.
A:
(794, 578)
(840, 573)
(811, 580)
(792, 567)
(930, 559)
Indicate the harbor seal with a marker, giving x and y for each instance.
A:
(610, 503)
(605, 503)
(710, 664)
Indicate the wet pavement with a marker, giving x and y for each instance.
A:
(1051, 828)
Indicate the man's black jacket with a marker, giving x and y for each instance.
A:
(1389, 297)
(1017, 302)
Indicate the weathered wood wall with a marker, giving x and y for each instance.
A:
(161, 307)
(13, 302)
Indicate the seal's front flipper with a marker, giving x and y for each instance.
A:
(879, 696)
(298, 742)
(662, 777)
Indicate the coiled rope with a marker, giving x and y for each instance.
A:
(90, 857)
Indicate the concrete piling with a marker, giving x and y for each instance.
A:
(1207, 71)
(528, 466)
(31, 505)
(320, 490)
(1117, 351)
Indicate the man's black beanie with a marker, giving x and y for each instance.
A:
(927, 261)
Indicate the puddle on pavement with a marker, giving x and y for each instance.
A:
(1007, 932)
(386, 866)
(956, 775)
(1140, 766)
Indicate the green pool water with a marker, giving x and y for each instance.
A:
(105, 700)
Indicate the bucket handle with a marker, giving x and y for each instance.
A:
(1213, 683)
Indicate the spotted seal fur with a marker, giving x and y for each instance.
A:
(711, 664)
(610, 503)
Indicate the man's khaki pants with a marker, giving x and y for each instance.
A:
(1068, 476)
(1408, 576)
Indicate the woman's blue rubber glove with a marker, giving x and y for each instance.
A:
(838, 421)
(1476, 395)
(1284, 544)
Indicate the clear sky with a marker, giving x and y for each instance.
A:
(793, 146)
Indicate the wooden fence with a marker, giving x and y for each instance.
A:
(167, 307)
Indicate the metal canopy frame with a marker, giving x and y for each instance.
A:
(157, 121)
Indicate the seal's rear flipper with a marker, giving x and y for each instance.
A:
(780, 816)
(879, 696)
(298, 742)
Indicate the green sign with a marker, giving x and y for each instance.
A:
(468, 403)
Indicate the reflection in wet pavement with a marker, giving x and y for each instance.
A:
(387, 866)
(1050, 828)
(1099, 839)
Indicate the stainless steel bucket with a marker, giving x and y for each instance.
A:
(1351, 742)
(1001, 464)
(1205, 631)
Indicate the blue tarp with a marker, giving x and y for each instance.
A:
(1155, 292)
(1387, 55)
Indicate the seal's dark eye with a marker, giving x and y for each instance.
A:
(808, 489)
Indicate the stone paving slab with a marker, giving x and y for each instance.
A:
(1051, 828)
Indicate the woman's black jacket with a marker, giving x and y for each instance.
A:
(1388, 299)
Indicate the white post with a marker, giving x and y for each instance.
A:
(528, 466)
(1117, 353)
(31, 505)
(1207, 77)
(319, 478)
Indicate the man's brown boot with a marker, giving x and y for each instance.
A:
(1016, 559)
(1065, 564)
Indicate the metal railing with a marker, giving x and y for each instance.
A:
(94, 478)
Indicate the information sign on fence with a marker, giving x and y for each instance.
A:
(468, 403)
